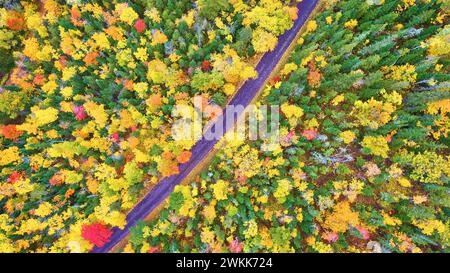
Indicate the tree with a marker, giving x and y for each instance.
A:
(207, 81)
(263, 41)
(98, 234)
(210, 9)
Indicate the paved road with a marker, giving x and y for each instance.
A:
(243, 97)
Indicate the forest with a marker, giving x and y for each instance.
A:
(87, 93)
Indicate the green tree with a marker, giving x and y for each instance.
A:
(210, 9)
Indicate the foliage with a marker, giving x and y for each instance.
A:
(362, 159)
(87, 90)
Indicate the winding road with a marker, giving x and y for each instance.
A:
(203, 147)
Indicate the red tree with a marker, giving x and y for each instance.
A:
(14, 177)
(140, 25)
(10, 132)
(206, 66)
(310, 134)
(79, 112)
(96, 233)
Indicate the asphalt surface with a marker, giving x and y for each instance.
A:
(201, 149)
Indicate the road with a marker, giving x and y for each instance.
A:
(202, 148)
